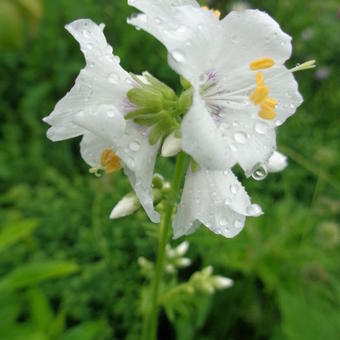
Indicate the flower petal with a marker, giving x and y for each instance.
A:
(277, 162)
(183, 30)
(249, 139)
(202, 139)
(216, 199)
(139, 158)
(102, 81)
(249, 35)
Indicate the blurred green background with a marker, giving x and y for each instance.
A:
(68, 272)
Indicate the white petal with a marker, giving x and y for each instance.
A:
(92, 147)
(277, 162)
(249, 35)
(105, 121)
(248, 138)
(215, 199)
(184, 30)
(102, 81)
(139, 158)
(202, 139)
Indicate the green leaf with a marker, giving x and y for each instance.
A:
(14, 233)
(41, 311)
(85, 331)
(58, 325)
(31, 274)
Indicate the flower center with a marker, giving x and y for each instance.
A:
(110, 161)
(215, 11)
(260, 96)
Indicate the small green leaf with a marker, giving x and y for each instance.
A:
(33, 273)
(86, 331)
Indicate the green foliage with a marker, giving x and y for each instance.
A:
(284, 264)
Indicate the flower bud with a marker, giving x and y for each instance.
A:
(182, 248)
(277, 162)
(183, 262)
(171, 146)
(221, 282)
(126, 206)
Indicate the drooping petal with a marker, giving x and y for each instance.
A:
(102, 82)
(184, 28)
(215, 199)
(202, 138)
(137, 156)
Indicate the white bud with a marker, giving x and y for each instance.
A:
(183, 262)
(277, 162)
(170, 269)
(126, 206)
(143, 262)
(170, 252)
(171, 146)
(221, 282)
(182, 248)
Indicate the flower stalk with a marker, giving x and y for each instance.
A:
(165, 225)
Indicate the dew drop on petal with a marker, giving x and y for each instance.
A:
(259, 172)
(238, 224)
(89, 46)
(223, 222)
(227, 201)
(234, 188)
(134, 146)
(254, 210)
(226, 172)
(113, 78)
(111, 114)
(278, 122)
(240, 137)
(158, 20)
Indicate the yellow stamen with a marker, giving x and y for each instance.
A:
(259, 78)
(261, 63)
(267, 110)
(260, 93)
(110, 161)
(272, 102)
(215, 11)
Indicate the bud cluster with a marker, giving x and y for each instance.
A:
(175, 258)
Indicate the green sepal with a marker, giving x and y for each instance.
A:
(146, 99)
(185, 101)
(136, 113)
(185, 83)
(194, 166)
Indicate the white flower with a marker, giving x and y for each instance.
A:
(95, 108)
(242, 90)
(125, 207)
(216, 199)
(222, 282)
(277, 162)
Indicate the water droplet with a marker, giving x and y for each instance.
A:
(240, 137)
(278, 122)
(111, 114)
(178, 56)
(223, 222)
(261, 128)
(131, 163)
(181, 29)
(254, 210)
(158, 20)
(233, 147)
(188, 43)
(234, 38)
(234, 188)
(235, 123)
(89, 46)
(134, 146)
(86, 33)
(292, 106)
(226, 172)
(116, 59)
(259, 172)
(227, 201)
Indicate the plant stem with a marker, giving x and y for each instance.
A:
(163, 240)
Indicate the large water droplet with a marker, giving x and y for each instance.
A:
(234, 188)
(254, 210)
(178, 56)
(134, 146)
(259, 172)
(240, 137)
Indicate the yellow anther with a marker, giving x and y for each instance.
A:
(110, 161)
(262, 63)
(272, 102)
(215, 11)
(259, 78)
(260, 93)
(267, 109)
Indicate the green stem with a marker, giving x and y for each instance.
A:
(163, 240)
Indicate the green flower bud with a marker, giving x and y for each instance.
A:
(185, 101)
